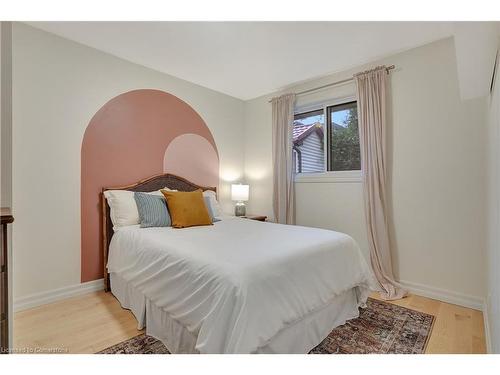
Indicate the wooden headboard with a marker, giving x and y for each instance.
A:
(147, 185)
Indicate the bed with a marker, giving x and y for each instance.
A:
(238, 286)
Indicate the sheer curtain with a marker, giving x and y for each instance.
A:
(283, 186)
(371, 92)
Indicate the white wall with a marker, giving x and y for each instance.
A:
(6, 115)
(437, 163)
(492, 310)
(475, 47)
(58, 85)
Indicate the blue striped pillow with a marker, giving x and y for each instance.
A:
(209, 209)
(153, 211)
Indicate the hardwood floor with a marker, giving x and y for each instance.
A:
(84, 324)
(90, 323)
(457, 329)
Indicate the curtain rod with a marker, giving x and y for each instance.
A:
(333, 84)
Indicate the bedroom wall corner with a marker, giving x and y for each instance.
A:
(437, 158)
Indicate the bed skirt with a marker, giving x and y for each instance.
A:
(297, 338)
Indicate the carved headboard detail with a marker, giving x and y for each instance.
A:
(147, 185)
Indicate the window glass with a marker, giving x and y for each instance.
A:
(343, 138)
(308, 142)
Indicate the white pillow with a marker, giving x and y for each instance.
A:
(123, 208)
(214, 204)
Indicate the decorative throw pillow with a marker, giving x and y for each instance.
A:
(153, 211)
(214, 204)
(187, 209)
(209, 209)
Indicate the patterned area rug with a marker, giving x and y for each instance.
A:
(381, 328)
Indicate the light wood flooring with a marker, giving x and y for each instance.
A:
(95, 321)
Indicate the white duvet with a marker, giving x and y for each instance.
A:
(237, 283)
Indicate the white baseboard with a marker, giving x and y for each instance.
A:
(444, 295)
(38, 299)
(487, 334)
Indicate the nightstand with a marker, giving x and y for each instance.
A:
(255, 217)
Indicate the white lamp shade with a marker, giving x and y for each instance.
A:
(239, 192)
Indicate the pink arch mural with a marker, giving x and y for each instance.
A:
(193, 157)
(133, 136)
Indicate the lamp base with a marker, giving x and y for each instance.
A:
(240, 209)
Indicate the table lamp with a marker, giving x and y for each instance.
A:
(239, 193)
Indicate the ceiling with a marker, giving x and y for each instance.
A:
(250, 59)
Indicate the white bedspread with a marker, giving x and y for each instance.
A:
(237, 283)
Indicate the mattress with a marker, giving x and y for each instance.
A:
(235, 285)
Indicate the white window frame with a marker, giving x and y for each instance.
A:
(327, 176)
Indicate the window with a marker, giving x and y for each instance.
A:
(341, 143)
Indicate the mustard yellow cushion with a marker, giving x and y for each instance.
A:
(187, 209)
